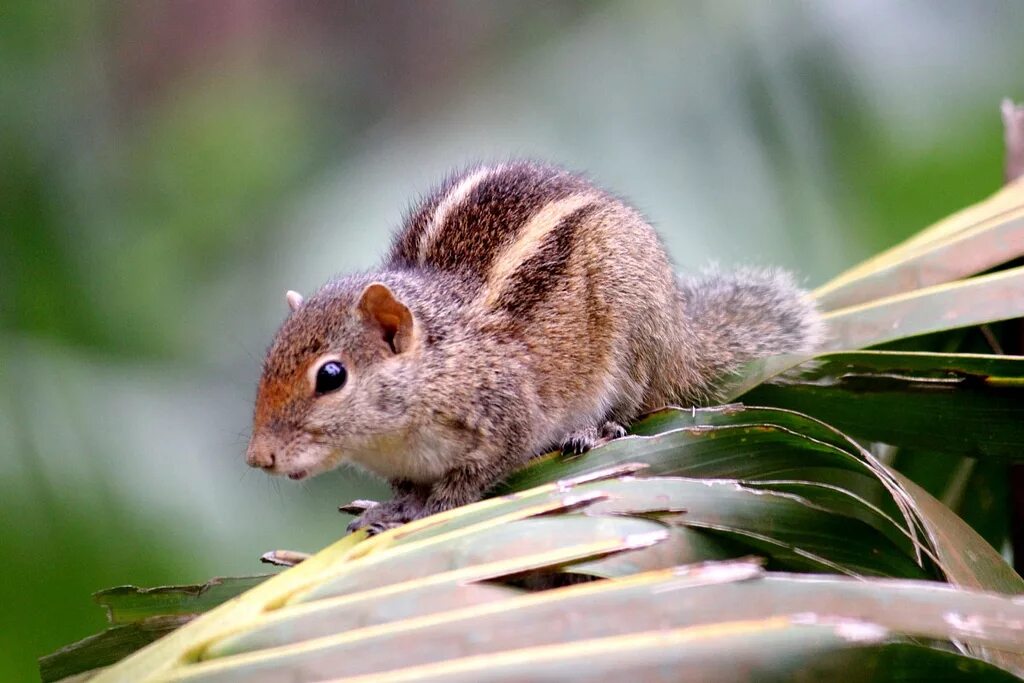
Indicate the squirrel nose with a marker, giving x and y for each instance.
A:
(258, 455)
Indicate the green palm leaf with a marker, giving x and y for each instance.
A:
(967, 404)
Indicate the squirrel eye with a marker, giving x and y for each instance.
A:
(330, 377)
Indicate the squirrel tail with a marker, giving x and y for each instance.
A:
(733, 318)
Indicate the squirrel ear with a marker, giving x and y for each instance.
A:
(391, 316)
(294, 299)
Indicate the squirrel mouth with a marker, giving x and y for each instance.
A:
(298, 475)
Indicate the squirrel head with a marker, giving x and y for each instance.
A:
(334, 380)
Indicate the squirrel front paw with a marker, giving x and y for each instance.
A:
(379, 517)
(581, 441)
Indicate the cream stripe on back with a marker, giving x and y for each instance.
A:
(455, 196)
(529, 242)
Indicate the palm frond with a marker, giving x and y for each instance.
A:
(769, 529)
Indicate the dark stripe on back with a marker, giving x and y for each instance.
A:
(493, 214)
(546, 268)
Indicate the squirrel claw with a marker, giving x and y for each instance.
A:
(372, 528)
(611, 431)
(581, 441)
(380, 517)
(357, 507)
(578, 443)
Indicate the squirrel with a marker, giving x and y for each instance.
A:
(519, 309)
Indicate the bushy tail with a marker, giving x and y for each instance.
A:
(733, 318)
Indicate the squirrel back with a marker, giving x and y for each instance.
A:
(519, 308)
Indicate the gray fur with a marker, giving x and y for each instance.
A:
(736, 317)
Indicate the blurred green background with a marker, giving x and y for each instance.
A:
(168, 169)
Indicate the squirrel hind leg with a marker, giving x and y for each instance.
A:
(612, 430)
(582, 440)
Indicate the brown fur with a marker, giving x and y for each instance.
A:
(544, 312)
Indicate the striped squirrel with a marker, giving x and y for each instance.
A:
(519, 309)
